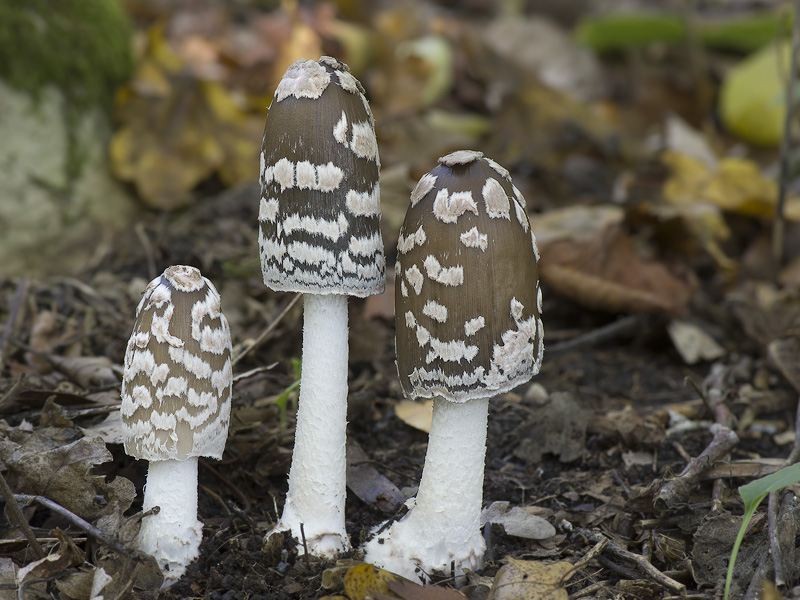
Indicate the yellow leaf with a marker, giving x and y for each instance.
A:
(735, 185)
(178, 130)
(416, 414)
(529, 580)
(367, 580)
(752, 96)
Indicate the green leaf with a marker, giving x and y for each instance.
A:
(617, 32)
(752, 96)
(755, 491)
(752, 494)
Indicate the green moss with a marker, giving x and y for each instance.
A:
(81, 47)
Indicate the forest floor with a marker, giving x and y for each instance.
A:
(670, 373)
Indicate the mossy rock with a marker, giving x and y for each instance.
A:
(60, 65)
(82, 47)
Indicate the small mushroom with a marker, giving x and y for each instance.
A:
(467, 306)
(319, 234)
(176, 403)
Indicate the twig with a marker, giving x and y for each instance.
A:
(772, 505)
(216, 473)
(265, 334)
(14, 311)
(305, 545)
(19, 519)
(590, 590)
(80, 523)
(783, 177)
(144, 240)
(91, 293)
(621, 327)
(643, 565)
(675, 491)
(251, 372)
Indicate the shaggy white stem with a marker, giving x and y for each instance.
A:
(442, 530)
(173, 535)
(317, 478)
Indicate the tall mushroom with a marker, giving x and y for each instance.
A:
(319, 234)
(467, 310)
(176, 403)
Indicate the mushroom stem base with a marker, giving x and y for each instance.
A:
(317, 478)
(441, 533)
(173, 535)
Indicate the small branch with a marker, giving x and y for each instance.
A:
(625, 326)
(13, 314)
(266, 333)
(772, 505)
(645, 567)
(783, 177)
(676, 491)
(144, 240)
(19, 519)
(80, 523)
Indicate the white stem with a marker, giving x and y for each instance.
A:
(173, 535)
(317, 478)
(442, 529)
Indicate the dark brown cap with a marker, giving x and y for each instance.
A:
(176, 385)
(467, 297)
(319, 218)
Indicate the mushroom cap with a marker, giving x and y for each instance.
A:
(467, 297)
(176, 384)
(319, 215)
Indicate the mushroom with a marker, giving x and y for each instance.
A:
(176, 403)
(319, 234)
(467, 310)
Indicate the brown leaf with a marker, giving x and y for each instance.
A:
(64, 473)
(370, 486)
(86, 371)
(607, 273)
(67, 555)
(178, 129)
(407, 590)
(529, 580)
(366, 580)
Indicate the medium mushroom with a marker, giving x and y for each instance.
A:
(319, 234)
(176, 404)
(467, 310)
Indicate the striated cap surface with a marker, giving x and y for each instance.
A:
(176, 386)
(467, 297)
(319, 214)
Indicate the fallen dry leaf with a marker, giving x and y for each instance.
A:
(66, 555)
(178, 130)
(371, 487)
(366, 580)
(587, 256)
(405, 590)
(517, 522)
(530, 580)
(417, 414)
(557, 425)
(64, 473)
(692, 342)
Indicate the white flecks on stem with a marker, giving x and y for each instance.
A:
(317, 477)
(443, 525)
(173, 535)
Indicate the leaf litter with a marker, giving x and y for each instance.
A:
(639, 204)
